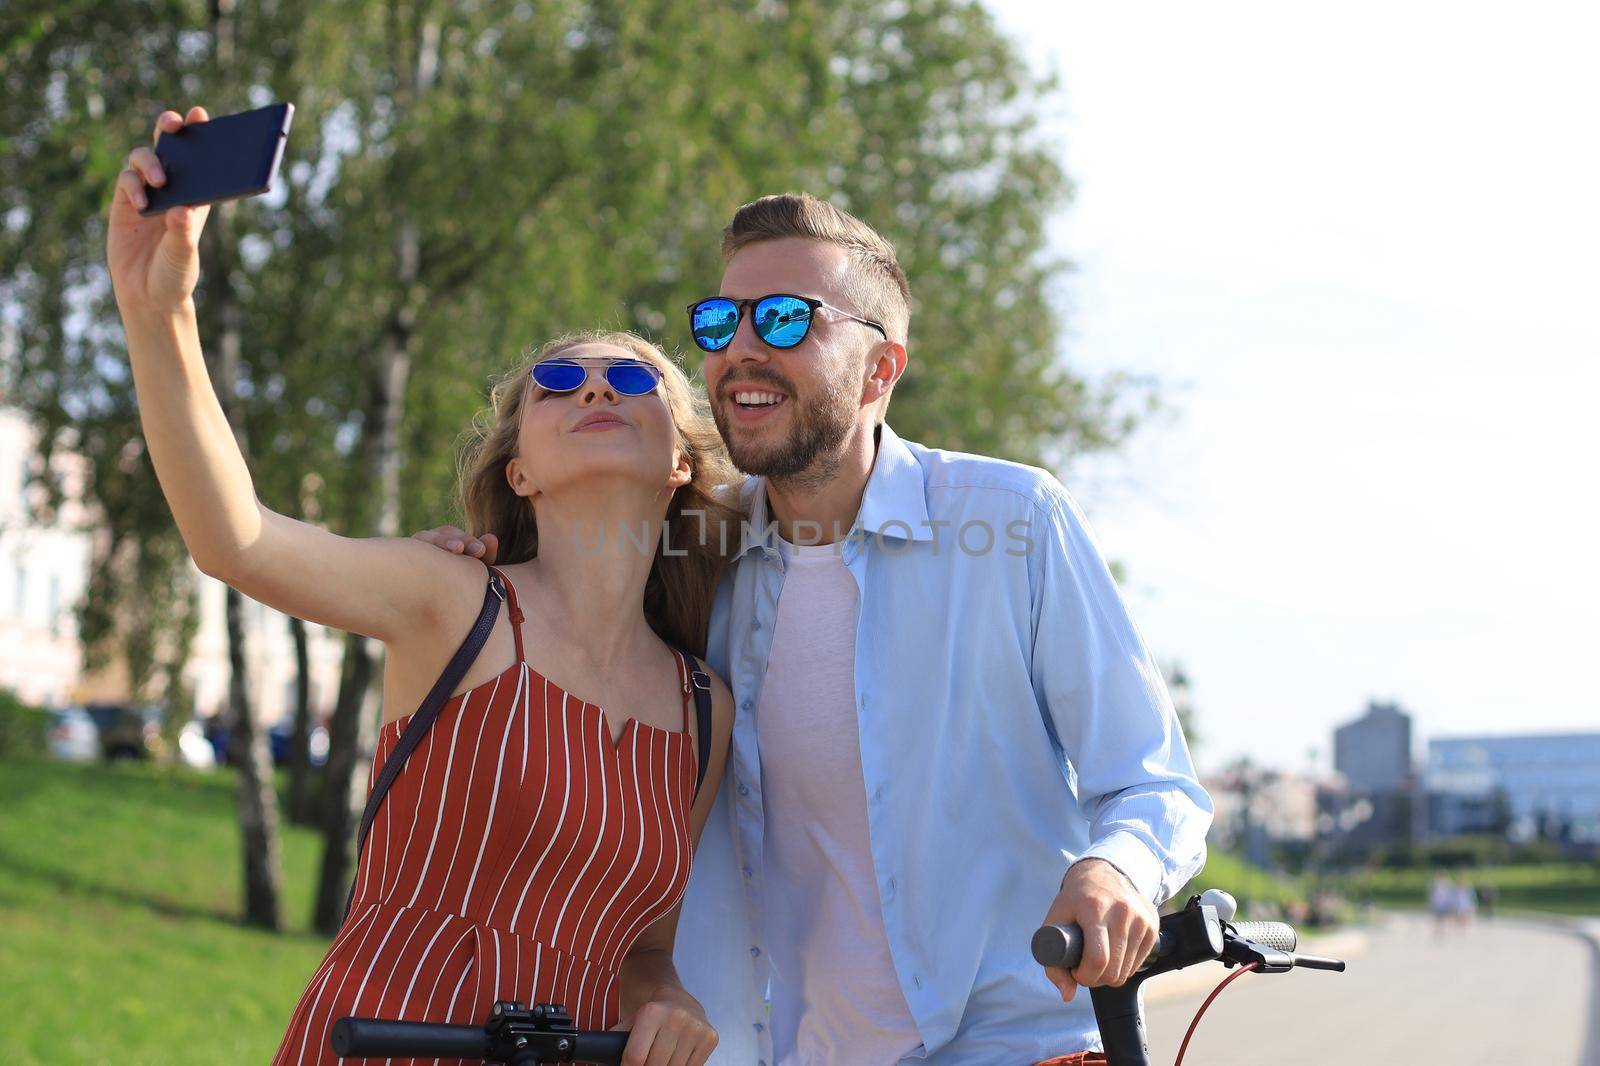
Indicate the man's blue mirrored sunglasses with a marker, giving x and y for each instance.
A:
(781, 320)
(630, 377)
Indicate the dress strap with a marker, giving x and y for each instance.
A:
(516, 611)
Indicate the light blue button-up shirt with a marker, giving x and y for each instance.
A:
(1011, 721)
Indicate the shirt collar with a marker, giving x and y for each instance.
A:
(895, 503)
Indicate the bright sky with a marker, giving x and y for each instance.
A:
(1359, 245)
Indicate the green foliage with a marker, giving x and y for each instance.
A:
(78, 86)
(24, 729)
(121, 888)
(1249, 885)
(1466, 851)
(560, 165)
(1558, 887)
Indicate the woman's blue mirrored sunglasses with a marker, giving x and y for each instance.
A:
(781, 320)
(630, 377)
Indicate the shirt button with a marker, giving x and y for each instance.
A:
(749, 872)
(877, 793)
(744, 789)
(755, 952)
(892, 884)
(756, 624)
(759, 1027)
(916, 979)
(745, 706)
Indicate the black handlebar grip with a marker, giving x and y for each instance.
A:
(601, 1048)
(367, 1037)
(1279, 936)
(1058, 945)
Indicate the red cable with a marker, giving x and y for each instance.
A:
(1240, 972)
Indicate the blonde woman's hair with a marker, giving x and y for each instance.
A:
(878, 283)
(678, 592)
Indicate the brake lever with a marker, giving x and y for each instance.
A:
(1319, 962)
(1238, 952)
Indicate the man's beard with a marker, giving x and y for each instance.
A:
(810, 452)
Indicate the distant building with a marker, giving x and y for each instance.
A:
(270, 666)
(44, 571)
(1374, 803)
(1352, 823)
(1256, 808)
(1522, 786)
(44, 565)
(1374, 751)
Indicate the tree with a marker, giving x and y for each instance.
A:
(1183, 703)
(78, 391)
(220, 318)
(466, 179)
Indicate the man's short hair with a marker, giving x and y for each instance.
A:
(877, 283)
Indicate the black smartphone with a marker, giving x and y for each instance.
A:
(223, 159)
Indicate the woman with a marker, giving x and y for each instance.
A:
(538, 842)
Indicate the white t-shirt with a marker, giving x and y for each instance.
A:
(835, 996)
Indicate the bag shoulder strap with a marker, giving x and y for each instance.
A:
(423, 719)
(700, 685)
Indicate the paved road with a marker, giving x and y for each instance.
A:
(1502, 992)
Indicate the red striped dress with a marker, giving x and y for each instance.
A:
(517, 856)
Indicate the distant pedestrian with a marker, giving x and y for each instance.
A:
(1466, 904)
(1488, 896)
(1441, 901)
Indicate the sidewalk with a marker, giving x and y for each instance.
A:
(1509, 990)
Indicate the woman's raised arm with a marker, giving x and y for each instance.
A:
(380, 588)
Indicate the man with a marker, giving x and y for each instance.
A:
(947, 731)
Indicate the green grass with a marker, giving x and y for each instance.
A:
(1555, 888)
(1561, 888)
(120, 887)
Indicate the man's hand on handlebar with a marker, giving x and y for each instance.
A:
(459, 542)
(1120, 927)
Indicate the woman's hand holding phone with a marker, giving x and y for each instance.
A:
(389, 589)
(155, 261)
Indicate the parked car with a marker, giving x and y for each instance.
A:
(282, 733)
(74, 735)
(128, 732)
(278, 739)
